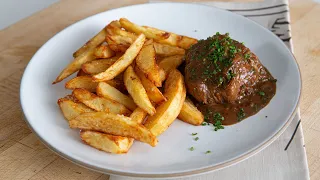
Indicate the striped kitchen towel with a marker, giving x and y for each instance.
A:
(285, 158)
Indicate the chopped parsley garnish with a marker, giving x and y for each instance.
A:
(193, 134)
(241, 114)
(218, 125)
(216, 54)
(218, 118)
(204, 123)
(191, 148)
(261, 93)
(220, 80)
(247, 56)
(208, 152)
(196, 139)
(230, 75)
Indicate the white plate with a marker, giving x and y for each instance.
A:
(171, 157)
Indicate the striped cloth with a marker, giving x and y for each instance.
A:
(281, 160)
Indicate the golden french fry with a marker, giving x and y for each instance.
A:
(84, 82)
(163, 75)
(117, 39)
(71, 109)
(75, 65)
(82, 73)
(114, 124)
(146, 62)
(109, 92)
(92, 43)
(99, 103)
(114, 28)
(173, 39)
(153, 92)
(123, 62)
(137, 91)
(138, 115)
(98, 66)
(171, 62)
(168, 63)
(120, 48)
(159, 35)
(111, 143)
(167, 50)
(190, 114)
(106, 142)
(167, 112)
(119, 43)
(153, 34)
(103, 51)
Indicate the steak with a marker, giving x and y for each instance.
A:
(221, 70)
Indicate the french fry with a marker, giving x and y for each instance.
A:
(111, 143)
(106, 142)
(151, 34)
(153, 92)
(173, 39)
(117, 39)
(70, 97)
(168, 63)
(137, 91)
(92, 43)
(190, 114)
(114, 124)
(114, 28)
(103, 51)
(82, 73)
(84, 82)
(98, 66)
(167, 112)
(119, 48)
(75, 65)
(138, 115)
(146, 62)
(109, 92)
(163, 75)
(71, 109)
(123, 62)
(167, 50)
(158, 35)
(118, 43)
(99, 103)
(171, 62)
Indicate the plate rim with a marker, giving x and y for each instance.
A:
(168, 175)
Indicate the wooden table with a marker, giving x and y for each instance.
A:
(23, 156)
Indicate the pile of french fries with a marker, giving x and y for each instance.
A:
(127, 86)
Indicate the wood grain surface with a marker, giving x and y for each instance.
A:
(23, 156)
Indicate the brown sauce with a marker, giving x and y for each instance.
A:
(248, 106)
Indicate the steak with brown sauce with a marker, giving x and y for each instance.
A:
(222, 71)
